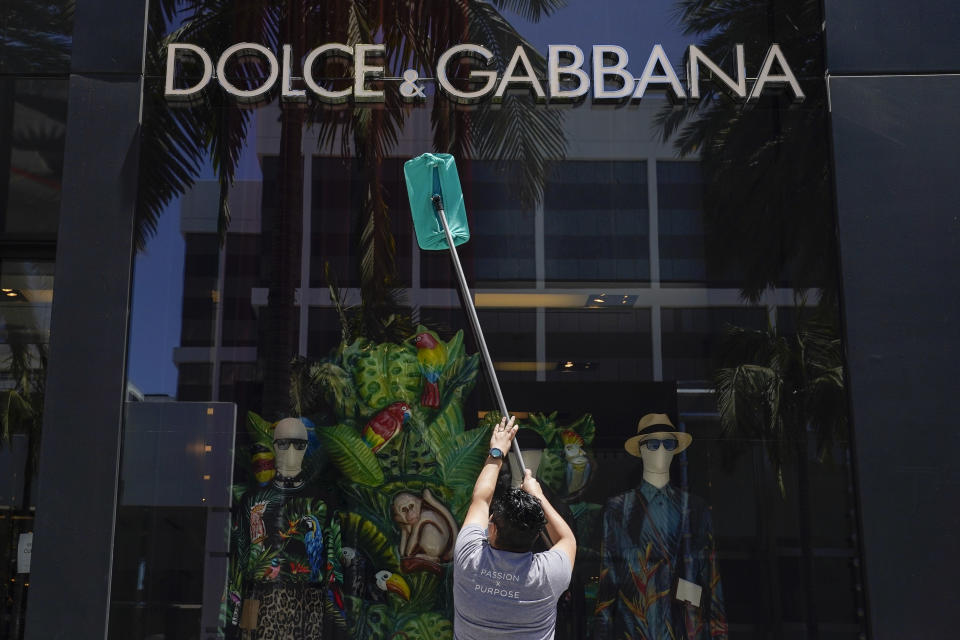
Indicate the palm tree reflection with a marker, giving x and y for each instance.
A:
(177, 142)
(768, 210)
(769, 219)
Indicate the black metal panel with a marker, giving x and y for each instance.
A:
(79, 463)
(897, 191)
(109, 36)
(888, 36)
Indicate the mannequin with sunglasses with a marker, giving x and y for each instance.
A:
(289, 447)
(657, 454)
(285, 539)
(659, 578)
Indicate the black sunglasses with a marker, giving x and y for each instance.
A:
(654, 443)
(284, 443)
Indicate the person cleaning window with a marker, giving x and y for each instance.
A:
(500, 586)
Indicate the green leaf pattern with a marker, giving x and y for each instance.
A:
(387, 373)
(434, 451)
(551, 470)
(355, 460)
(367, 536)
(460, 459)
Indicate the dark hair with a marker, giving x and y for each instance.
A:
(519, 519)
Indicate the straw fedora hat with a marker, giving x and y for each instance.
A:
(655, 424)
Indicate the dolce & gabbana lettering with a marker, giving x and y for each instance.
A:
(566, 79)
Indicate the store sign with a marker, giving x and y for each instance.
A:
(568, 77)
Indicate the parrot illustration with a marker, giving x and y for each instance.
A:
(313, 441)
(388, 581)
(385, 426)
(313, 540)
(335, 595)
(271, 572)
(577, 471)
(432, 357)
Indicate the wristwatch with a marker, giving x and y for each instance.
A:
(496, 453)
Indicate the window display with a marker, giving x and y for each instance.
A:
(666, 256)
(286, 546)
(660, 577)
(35, 52)
(374, 491)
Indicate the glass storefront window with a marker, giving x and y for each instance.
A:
(596, 222)
(26, 293)
(33, 111)
(628, 257)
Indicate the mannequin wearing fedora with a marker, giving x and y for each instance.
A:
(656, 537)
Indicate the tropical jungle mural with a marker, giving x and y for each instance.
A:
(354, 537)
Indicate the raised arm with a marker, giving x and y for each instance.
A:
(557, 528)
(501, 438)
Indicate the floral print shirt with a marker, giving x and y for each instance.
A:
(652, 537)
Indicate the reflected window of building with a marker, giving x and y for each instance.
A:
(596, 222)
(200, 274)
(686, 251)
(338, 217)
(501, 251)
(596, 345)
(692, 338)
(242, 273)
(680, 223)
(323, 333)
(501, 227)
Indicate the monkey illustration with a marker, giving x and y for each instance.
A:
(427, 531)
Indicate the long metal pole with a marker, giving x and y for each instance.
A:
(475, 322)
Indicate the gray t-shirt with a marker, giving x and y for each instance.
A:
(497, 592)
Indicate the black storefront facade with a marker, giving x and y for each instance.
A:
(617, 245)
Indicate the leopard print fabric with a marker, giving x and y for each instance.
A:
(288, 612)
